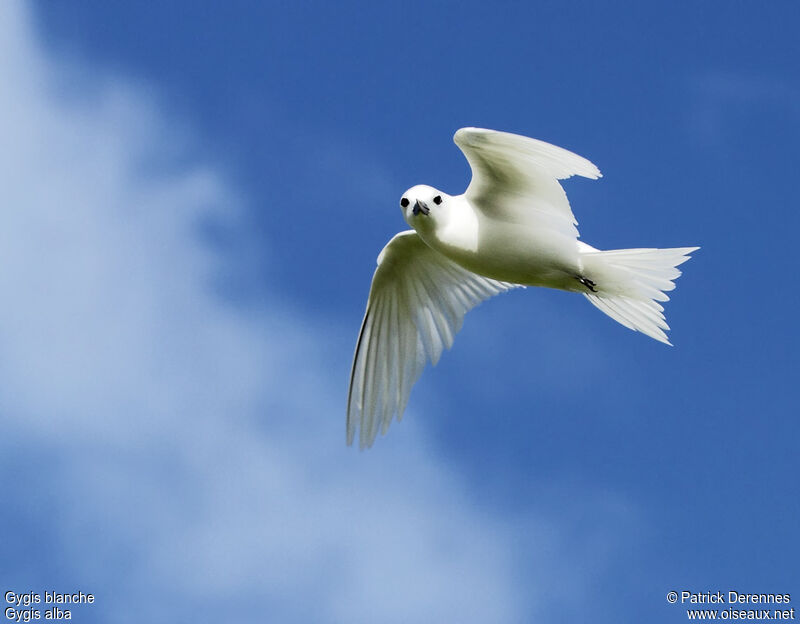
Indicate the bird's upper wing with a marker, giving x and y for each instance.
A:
(416, 305)
(515, 178)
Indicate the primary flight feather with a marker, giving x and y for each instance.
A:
(512, 227)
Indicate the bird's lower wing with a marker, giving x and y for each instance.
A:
(416, 306)
(515, 178)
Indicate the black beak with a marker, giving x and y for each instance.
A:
(420, 207)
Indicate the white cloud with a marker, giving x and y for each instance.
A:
(200, 448)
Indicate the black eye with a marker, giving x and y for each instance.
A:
(404, 202)
(437, 200)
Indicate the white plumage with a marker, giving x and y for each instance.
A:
(512, 227)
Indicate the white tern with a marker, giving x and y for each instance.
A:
(513, 227)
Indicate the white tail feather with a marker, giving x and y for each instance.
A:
(629, 283)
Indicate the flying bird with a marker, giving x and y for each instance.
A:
(512, 227)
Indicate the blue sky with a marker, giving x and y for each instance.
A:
(174, 362)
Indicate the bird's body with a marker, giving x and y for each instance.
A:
(504, 251)
(512, 227)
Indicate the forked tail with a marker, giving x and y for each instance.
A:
(627, 284)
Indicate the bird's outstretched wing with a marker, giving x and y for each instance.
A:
(416, 305)
(515, 178)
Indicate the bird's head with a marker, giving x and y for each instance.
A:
(424, 206)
